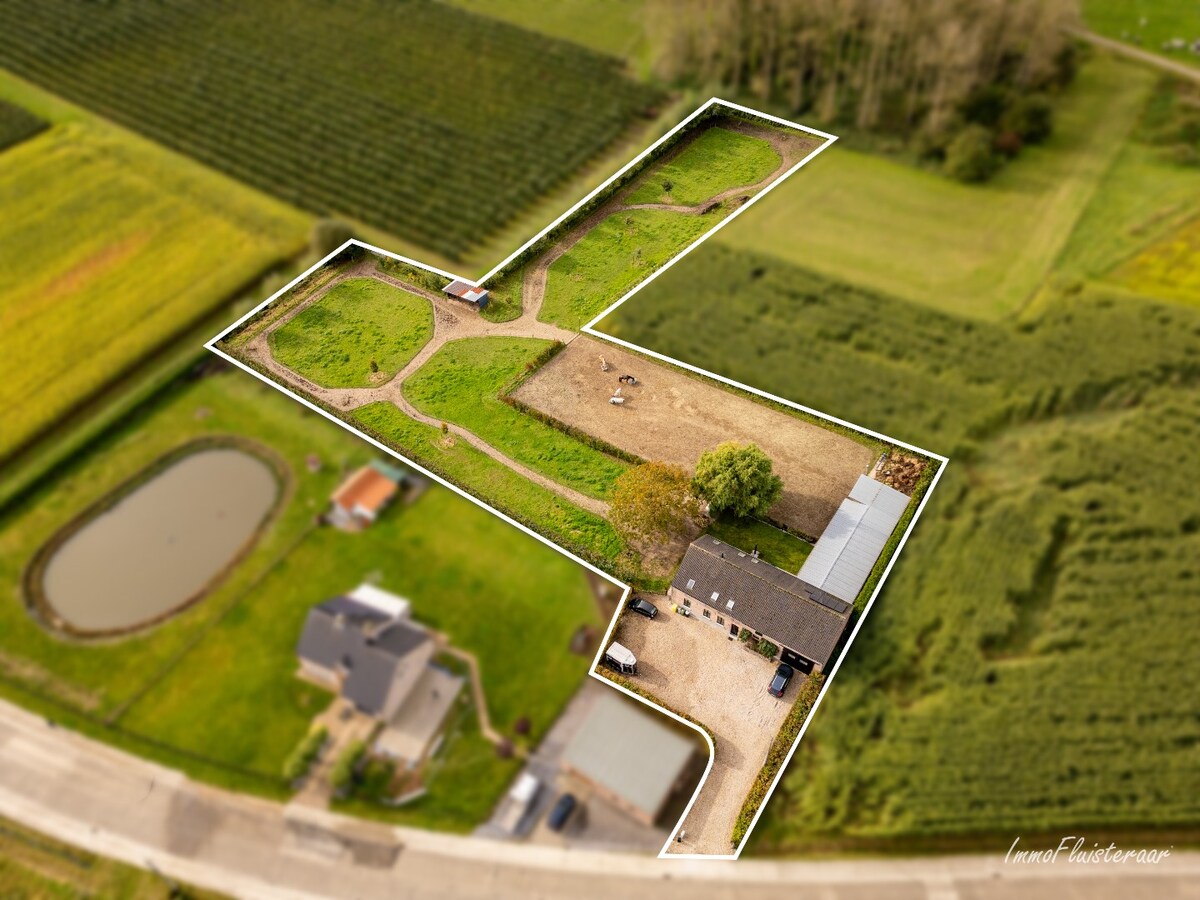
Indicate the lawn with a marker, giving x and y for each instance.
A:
(462, 383)
(607, 26)
(980, 251)
(361, 333)
(613, 258)
(714, 161)
(569, 526)
(1164, 20)
(775, 546)
(113, 247)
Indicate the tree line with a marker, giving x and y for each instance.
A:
(925, 70)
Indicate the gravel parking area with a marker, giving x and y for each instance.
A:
(674, 416)
(693, 667)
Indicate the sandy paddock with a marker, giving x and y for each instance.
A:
(674, 416)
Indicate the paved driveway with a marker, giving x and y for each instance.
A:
(693, 667)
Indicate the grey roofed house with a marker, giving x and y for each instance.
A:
(371, 656)
(852, 542)
(744, 589)
(633, 760)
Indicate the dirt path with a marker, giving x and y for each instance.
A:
(1158, 61)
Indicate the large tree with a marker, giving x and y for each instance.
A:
(737, 478)
(653, 502)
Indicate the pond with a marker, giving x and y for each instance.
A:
(163, 545)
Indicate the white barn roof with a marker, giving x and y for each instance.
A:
(848, 549)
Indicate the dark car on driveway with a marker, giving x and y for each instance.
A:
(557, 820)
(779, 683)
(643, 607)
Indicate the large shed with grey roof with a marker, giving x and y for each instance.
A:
(852, 543)
(632, 759)
(735, 590)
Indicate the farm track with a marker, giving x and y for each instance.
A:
(454, 321)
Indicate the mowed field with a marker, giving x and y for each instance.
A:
(213, 691)
(1147, 24)
(112, 246)
(421, 119)
(980, 251)
(674, 416)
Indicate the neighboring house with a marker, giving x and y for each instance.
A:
(853, 541)
(630, 758)
(364, 646)
(735, 590)
(464, 290)
(360, 499)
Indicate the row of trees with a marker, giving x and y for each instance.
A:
(656, 501)
(943, 72)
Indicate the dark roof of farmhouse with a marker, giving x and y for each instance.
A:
(766, 599)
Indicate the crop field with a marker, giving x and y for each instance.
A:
(230, 660)
(974, 250)
(18, 124)
(422, 120)
(360, 333)
(1022, 667)
(716, 160)
(616, 255)
(462, 383)
(111, 248)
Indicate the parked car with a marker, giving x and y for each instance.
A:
(779, 683)
(620, 658)
(643, 607)
(520, 798)
(561, 813)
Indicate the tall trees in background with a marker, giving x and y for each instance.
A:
(922, 68)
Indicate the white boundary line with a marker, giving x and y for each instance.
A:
(590, 329)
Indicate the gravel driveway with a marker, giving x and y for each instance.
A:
(693, 667)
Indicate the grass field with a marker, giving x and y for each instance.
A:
(18, 124)
(777, 547)
(229, 661)
(112, 247)
(617, 254)
(36, 867)
(716, 160)
(1164, 20)
(496, 484)
(361, 333)
(1022, 668)
(606, 26)
(422, 120)
(462, 383)
(976, 250)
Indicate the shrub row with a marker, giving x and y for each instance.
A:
(301, 758)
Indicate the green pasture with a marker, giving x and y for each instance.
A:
(606, 26)
(463, 382)
(714, 161)
(1147, 24)
(361, 333)
(614, 257)
(976, 250)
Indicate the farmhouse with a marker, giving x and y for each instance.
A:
(735, 590)
(630, 759)
(360, 499)
(464, 290)
(364, 646)
(851, 544)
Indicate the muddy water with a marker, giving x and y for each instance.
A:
(160, 545)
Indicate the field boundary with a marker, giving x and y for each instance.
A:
(590, 329)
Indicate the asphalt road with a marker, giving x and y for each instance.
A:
(118, 805)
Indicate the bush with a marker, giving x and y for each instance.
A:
(342, 775)
(745, 635)
(1031, 117)
(301, 758)
(767, 649)
(970, 157)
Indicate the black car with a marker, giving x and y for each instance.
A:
(643, 607)
(780, 682)
(557, 820)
